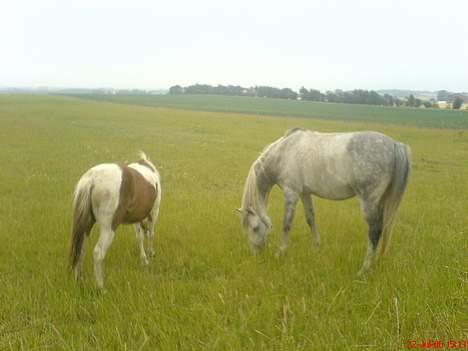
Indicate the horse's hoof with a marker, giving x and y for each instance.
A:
(78, 278)
(255, 250)
(362, 273)
(102, 291)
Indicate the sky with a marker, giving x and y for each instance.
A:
(152, 44)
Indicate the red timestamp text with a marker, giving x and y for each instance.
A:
(437, 344)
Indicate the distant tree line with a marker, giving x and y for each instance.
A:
(357, 96)
(236, 90)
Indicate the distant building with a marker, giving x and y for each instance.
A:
(443, 104)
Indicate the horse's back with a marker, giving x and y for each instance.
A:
(344, 149)
(334, 165)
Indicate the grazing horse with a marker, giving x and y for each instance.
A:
(112, 194)
(335, 166)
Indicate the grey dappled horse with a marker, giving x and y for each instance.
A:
(335, 166)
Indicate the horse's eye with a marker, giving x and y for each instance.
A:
(256, 228)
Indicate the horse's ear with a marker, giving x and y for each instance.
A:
(251, 211)
(240, 210)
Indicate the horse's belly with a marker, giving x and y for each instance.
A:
(137, 211)
(328, 186)
(135, 216)
(339, 192)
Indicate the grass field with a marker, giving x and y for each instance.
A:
(432, 118)
(204, 290)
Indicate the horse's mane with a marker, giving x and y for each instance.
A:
(292, 131)
(250, 196)
(267, 148)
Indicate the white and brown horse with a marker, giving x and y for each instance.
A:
(112, 194)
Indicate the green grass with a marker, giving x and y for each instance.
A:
(432, 118)
(205, 290)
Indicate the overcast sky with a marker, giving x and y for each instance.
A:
(369, 44)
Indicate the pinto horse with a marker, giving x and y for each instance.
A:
(112, 194)
(336, 166)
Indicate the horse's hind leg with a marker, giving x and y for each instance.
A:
(140, 234)
(310, 217)
(290, 201)
(79, 265)
(373, 213)
(100, 250)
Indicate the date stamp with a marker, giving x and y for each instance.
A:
(438, 344)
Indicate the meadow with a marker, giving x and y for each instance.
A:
(432, 118)
(204, 290)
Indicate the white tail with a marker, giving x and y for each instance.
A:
(83, 218)
(394, 194)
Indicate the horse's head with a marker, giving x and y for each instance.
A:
(257, 226)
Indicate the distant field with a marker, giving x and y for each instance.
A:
(205, 290)
(431, 118)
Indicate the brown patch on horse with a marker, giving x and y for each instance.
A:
(137, 197)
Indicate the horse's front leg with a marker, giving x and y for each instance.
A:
(290, 200)
(152, 218)
(141, 242)
(150, 248)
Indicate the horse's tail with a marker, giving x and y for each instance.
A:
(83, 218)
(394, 194)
